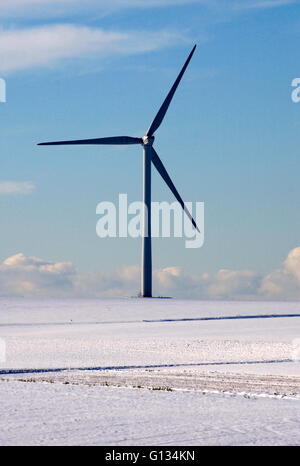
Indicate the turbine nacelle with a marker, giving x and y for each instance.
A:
(148, 140)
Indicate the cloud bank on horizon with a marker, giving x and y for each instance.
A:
(24, 276)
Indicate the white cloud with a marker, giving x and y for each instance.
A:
(292, 263)
(21, 275)
(50, 44)
(46, 45)
(285, 282)
(225, 284)
(16, 187)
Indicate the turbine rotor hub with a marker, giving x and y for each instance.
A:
(148, 140)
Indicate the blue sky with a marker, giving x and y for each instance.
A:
(230, 137)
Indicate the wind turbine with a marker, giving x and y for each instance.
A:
(149, 155)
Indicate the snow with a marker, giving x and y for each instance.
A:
(135, 332)
(231, 363)
(54, 414)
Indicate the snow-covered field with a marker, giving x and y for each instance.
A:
(203, 372)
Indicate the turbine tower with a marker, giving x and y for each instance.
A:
(149, 156)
